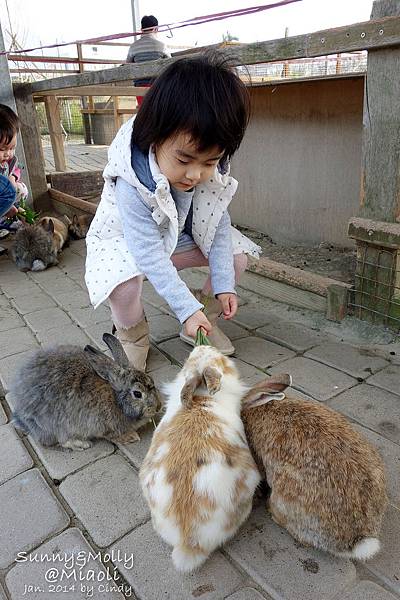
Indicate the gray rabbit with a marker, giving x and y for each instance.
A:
(33, 249)
(69, 396)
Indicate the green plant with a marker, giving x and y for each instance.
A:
(26, 213)
(201, 338)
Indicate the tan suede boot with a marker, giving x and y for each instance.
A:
(212, 310)
(135, 342)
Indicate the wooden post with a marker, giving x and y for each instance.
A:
(117, 116)
(85, 116)
(56, 133)
(377, 285)
(32, 144)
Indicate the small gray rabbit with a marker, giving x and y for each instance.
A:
(32, 249)
(69, 396)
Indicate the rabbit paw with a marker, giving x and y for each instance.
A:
(127, 438)
(75, 444)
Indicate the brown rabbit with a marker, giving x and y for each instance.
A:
(78, 227)
(58, 231)
(327, 482)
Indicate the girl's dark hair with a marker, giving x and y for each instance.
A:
(200, 95)
(9, 124)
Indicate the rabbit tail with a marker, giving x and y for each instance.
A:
(364, 549)
(186, 560)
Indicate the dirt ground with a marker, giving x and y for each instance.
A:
(326, 259)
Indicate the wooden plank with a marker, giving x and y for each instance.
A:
(56, 133)
(97, 90)
(81, 184)
(281, 292)
(380, 185)
(378, 33)
(377, 233)
(32, 144)
(76, 203)
(304, 280)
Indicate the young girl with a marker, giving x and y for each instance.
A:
(164, 205)
(9, 127)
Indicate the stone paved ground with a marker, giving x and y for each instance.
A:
(80, 502)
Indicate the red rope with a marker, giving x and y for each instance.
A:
(168, 27)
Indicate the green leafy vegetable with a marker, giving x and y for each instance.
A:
(201, 338)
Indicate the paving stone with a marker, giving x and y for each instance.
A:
(247, 593)
(163, 327)
(314, 379)
(42, 320)
(176, 349)
(389, 351)
(16, 341)
(372, 407)
(77, 299)
(260, 353)
(60, 462)
(367, 590)
(357, 362)
(137, 451)
(14, 289)
(388, 379)
(282, 567)
(70, 261)
(10, 365)
(72, 556)
(14, 456)
(150, 310)
(3, 416)
(48, 277)
(72, 334)
(232, 330)
(293, 336)
(156, 360)
(9, 319)
(86, 317)
(253, 316)
(62, 287)
(164, 375)
(390, 454)
(33, 302)
(78, 247)
(150, 295)
(106, 497)
(4, 301)
(29, 513)
(2, 593)
(155, 578)
(248, 373)
(386, 564)
(95, 333)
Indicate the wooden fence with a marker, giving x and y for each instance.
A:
(380, 189)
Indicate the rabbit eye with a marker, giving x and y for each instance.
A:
(137, 394)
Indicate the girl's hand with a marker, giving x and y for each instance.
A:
(198, 319)
(229, 304)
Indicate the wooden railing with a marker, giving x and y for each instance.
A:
(117, 81)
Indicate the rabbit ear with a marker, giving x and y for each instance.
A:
(104, 366)
(75, 220)
(189, 389)
(116, 349)
(212, 377)
(267, 390)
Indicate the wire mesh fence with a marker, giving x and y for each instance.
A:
(376, 295)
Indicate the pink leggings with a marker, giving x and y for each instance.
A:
(125, 299)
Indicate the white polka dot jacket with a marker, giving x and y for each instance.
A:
(111, 256)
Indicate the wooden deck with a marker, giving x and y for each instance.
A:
(79, 157)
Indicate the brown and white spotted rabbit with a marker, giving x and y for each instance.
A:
(327, 482)
(199, 476)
